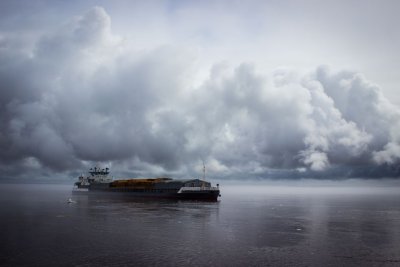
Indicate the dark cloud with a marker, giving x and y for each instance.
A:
(80, 97)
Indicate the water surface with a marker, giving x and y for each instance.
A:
(249, 226)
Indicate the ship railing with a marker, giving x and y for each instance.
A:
(197, 188)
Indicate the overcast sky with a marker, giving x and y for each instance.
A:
(255, 89)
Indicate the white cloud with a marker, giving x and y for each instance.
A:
(390, 154)
(82, 95)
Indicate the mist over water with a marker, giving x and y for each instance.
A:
(257, 225)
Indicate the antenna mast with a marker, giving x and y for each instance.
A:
(204, 171)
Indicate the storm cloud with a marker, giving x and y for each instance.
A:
(76, 95)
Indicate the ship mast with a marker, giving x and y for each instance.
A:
(204, 171)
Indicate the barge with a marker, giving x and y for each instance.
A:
(99, 181)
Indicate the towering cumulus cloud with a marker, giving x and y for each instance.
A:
(78, 95)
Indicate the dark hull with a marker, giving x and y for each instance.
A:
(206, 195)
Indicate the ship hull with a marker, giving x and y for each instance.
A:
(206, 195)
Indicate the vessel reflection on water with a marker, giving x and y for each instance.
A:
(99, 181)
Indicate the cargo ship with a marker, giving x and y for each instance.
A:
(100, 181)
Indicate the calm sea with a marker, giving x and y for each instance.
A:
(249, 226)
